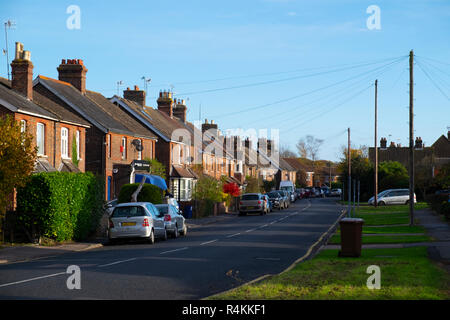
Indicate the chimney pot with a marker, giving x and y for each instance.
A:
(22, 72)
(74, 72)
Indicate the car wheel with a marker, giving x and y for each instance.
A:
(164, 237)
(175, 233)
(184, 232)
(381, 203)
(407, 202)
(151, 237)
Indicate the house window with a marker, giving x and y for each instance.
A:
(40, 138)
(182, 189)
(23, 126)
(140, 152)
(123, 148)
(108, 141)
(77, 140)
(64, 143)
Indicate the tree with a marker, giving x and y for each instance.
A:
(309, 147)
(286, 152)
(442, 178)
(17, 159)
(75, 160)
(392, 175)
(157, 168)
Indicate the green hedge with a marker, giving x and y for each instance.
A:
(149, 193)
(61, 205)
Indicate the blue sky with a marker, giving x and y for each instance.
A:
(230, 56)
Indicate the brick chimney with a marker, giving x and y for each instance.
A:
(247, 143)
(165, 103)
(22, 72)
(73, 71)
(207, 126)
(180, 110)
(383, 143)
(135, 95)
(418, 143)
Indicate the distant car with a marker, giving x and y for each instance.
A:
(285, 195)
(335, 192)
(136, 220)
(173, 220)
(269, 203)
(253, 202)
(392, 196)
(277, 200)
(445, 192)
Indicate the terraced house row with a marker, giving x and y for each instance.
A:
(78, 130)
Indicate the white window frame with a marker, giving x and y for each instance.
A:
(77, 139)
(64, 143)
(124, 145)
(40, 138)
(140, 152)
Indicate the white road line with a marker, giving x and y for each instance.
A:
(208, 242)
(179, 249)
(264, 226)
(233, 235)
(117, 262)
(32, 279)
(249, 230)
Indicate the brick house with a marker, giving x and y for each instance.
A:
(112, 140)
(54, 129)
(432, 157)
(174, 147)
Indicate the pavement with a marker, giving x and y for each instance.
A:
(29, 252)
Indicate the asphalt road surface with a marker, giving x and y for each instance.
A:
(210, 259)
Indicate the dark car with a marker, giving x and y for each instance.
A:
(277, 200)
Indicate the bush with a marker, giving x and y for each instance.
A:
(149, 193)
(61, 205)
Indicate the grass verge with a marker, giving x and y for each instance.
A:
(378, 239)
(406, 273)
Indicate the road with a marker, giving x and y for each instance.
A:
(210, 259)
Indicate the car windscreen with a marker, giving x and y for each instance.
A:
(162, 209)
(250, 197)
(273, 195)
(128, 211)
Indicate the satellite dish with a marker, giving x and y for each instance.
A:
(137, 144)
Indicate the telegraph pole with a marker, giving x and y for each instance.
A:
(375, 198)
(349, 174)
(411, 137)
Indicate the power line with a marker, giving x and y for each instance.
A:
(432, 81)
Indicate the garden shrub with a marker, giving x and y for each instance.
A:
(61, 205)
(149, 193)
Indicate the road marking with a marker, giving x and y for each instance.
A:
(179, 249)
(117, 262)
(233, 235)
(264, 226)
(32, 279)
(208, 242)
(249, 230)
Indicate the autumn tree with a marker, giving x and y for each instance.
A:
(17, 159)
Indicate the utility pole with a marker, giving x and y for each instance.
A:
(375, 198)
(349, 174)
(119, 83)
(8, 25)
(411, 137)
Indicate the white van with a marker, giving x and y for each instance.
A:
(290, 188)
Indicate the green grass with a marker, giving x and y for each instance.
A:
(392, 229)
(336, 239)
(406, 273)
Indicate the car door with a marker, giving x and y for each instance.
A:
(393, 197)
(158, 222)
(178, 217)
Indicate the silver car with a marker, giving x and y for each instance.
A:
(173, 220)
(253, 202)
(136, 220)
(392, 196)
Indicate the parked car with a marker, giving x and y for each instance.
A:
(269, 203)
(335, 192)
(285, 195)
(173, 220)
(253, 202)
(173, 202)
(136, 220)
(109, 206)
(289, 187)
(392, 196)
(277, 200)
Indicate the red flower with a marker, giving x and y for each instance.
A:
(232, 188)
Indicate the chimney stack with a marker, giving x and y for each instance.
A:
(165, 103)
(22, 72)
(180, 110)
(73, 71)
(247, 143)
(419, 143)
(207, 126)
(383, 143)
(135, 95)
